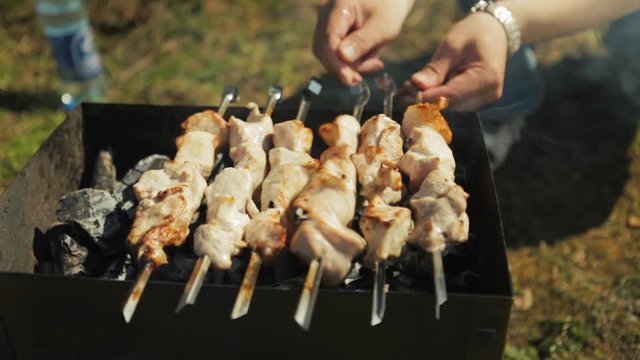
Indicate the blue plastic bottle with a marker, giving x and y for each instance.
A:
(66, 25)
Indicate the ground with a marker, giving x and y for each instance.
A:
(569, 191)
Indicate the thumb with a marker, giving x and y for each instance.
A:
(362, 41)
(433, 74)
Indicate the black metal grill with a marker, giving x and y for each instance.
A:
(51, 317)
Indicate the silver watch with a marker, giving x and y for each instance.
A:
(504, 16)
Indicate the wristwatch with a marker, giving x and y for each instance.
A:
(504, 16)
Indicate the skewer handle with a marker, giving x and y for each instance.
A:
(379, 293)
(386, 83)
(275, 94)
(311, 90)
(307, 301)
(229, 95)
(439, 281)
(243, 300)
(136, 292)
(363, 99)
(192, 289)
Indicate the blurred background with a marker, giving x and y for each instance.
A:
(569, 190)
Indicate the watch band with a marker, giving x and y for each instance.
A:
(504, 16)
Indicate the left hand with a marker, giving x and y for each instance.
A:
(468, 66)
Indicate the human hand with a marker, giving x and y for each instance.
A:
(349, 34)
(468, 66)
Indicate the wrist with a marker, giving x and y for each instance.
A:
(506, 19)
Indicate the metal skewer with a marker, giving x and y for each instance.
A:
(379, 295)
(312, 89)
(307, 302)
(439, 281)
(192, 288)
(229, 95)
(243, 300)
(136, 292)
(364, 94)
(385, 83)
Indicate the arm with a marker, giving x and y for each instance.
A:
(544, 19)
(469, 64)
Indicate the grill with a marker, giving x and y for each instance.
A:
(53, 317)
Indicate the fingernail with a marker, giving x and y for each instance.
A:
(422, 78)
(348, 52)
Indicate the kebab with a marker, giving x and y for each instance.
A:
(229, 198)
(384, 227)
(324, 209)
(438, 203)
(169, 197)
(290, 168)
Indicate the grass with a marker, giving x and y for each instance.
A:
(568, 190)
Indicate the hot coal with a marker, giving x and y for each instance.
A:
(96, 212)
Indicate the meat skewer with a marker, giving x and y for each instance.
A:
(169, 197)
(323, 210)
(290, 168)
(384, 227)
(439, 204)
(229, 197)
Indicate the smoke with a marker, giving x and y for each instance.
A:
(623, 41)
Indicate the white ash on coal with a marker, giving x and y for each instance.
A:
(104, 172)
(120, 268)
(151, 162)
(71, 253)
(95, 212)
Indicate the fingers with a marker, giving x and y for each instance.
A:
(468, 90)
(332, 26)
(372, 35)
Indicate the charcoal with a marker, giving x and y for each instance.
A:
(42, 253)
(238, 267)
(104, 172)
(119, 269)
(71, 253)
(96, 213)
(151, 162)
(179, 267)
(123, 190)
(128, 208)
(72, 257)
(354, 275)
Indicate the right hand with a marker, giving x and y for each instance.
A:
(468, 67)
(349, 34)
